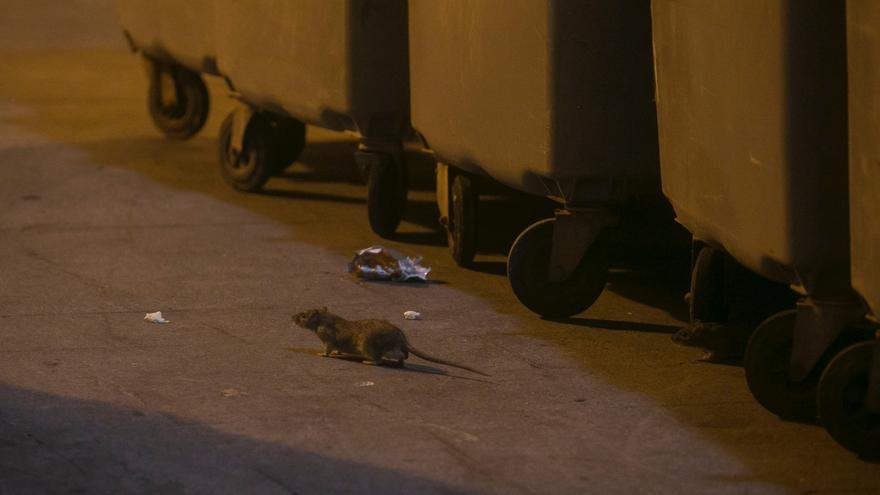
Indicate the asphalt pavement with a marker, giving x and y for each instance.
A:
(104, 220)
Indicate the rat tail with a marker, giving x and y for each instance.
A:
(428, 357)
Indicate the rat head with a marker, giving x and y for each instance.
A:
(311, 319)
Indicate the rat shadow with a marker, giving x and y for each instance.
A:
(392, 366)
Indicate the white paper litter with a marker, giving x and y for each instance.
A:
(366, 384)
(155, 318)
(412, 315)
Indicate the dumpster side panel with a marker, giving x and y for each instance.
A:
(863, 38)
(379, 51)
(604, 141)
(478, 81)
(752, 122)
(287, 54)
(337, 64)
(522, 90)
(182, 32)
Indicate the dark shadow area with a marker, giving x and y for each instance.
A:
(616, 325)
(310, 196)
(424, 214)
(333, 161)
(659, 286)
(421, 238)
(502, 217)
(489, 267)
(52, 444)
(326, 161)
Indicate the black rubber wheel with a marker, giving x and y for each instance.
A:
(182, 114)
(386, 195)
(707, 300)
(841, 398)
(249, 170)
(528, 266)
(767, 360)
(462, 228)
(288, 142)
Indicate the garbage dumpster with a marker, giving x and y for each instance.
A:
(340, 65)
(552, 98)
(177, 42)
(751, 103)
(849, 391)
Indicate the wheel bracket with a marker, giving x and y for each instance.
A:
(444, 198)
(241, 118)
(380, 153)
(369, 159)
(817, 325)
(574, 231)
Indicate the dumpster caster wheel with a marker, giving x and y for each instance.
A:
(706, 298)
(250, 168)
(177, 99)
(288, 142)
(842, 397)
(528, 267)
(767, 360)
(386, 194)
(462, 228)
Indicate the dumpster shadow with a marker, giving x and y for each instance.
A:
(433, 238)
(333, 161)
(617, 325)
(658, 286)
(52, 444)
(311, 196)
(325, 161)
(489, 267)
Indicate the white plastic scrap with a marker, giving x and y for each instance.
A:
(155, 318)
(412, 315)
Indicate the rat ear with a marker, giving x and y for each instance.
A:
(324, 309)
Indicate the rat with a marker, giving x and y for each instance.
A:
(377, 342)
(723, 343)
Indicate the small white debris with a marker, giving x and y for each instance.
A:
(155, 318)
(231, 392)
(366, 384)
(412, 315)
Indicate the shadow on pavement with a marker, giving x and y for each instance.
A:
(616, 325)
(53, 444)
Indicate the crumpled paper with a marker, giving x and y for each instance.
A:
(412, 315)
(155, 318)
(380, 263)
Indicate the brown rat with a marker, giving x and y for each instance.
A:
(723, 343)
(376, 341)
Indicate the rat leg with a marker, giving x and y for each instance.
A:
(373, 357)
(329, 351)
(394, 357)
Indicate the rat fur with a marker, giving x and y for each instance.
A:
(723, 343)
(375, 341)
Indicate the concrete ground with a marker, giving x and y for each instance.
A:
(103, 220)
